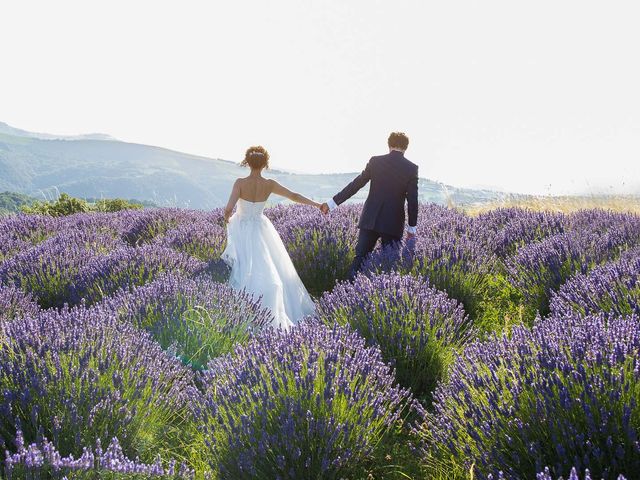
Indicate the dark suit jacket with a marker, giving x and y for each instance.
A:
(394, 179)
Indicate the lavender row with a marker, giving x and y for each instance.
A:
(198, 319)
(561, 395)
(127, 267)
(49, 270)
(14, 303)
(321, 247)
(613, 288)
(417, 328)
(79, 375)
(540, 269)
(314, 402)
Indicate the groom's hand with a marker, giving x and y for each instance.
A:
(411, 236)
(324, 208)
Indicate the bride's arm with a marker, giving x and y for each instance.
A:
(296, 197)
(233, 199)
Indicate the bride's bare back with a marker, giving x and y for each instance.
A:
(255, 188)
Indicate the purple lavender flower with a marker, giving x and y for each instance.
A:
(321, 247)
(42, 457)
(601, 222)
(79, 375)
(49, 270)
(127, 267)
(507, 229)
(14, 303)
(29, 229)
(11, 245)
(561, 395)
(309, 403)
(613, 287)
(149, 224)
(204, 240)
(546, 475)
(573, 475)
(539, 269)
(456, 264)
(97, 222)
(416, 327)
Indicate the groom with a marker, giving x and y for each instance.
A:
(394, 179)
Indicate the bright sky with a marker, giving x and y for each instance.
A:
(539, 97)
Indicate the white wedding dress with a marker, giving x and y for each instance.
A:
(261, 265)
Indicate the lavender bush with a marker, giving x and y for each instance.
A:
(601, 222)
(505, 230)
(79, 375)
(613, 287)
(49, 270)
(127, 267)
(14, 303)
(149, 224)
(560, 395)
(539, 251)
(113, 224)
(203, 240)
(457, 265)
(198, 318)
(435, 220)
(310, 403)
(541, 268)
(321, 247)
(24, 229)
(11, 245)
(416, 327)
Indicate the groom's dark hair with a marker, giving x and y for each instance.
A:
(398, 140)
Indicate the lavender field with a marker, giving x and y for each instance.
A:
(498, 346)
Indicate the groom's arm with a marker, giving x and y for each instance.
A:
(350, 190)
(412, 203)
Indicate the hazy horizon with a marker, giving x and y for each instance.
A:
(527, 98)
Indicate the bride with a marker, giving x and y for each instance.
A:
(259, 261)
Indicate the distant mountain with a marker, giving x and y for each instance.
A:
(9, 130)
(98, 165)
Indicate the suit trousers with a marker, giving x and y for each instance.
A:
(366, 243)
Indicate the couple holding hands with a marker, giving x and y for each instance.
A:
(258, 259)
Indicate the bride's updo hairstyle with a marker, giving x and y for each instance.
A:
(256, 158)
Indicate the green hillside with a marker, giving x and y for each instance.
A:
(10, 202)
(107, 168)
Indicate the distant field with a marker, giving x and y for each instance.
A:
(566, 204)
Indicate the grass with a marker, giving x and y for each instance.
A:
(564, 203)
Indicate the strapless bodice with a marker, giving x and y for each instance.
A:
(249, 210)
